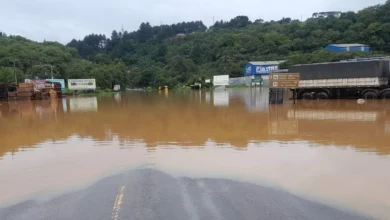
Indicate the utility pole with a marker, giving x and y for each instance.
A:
(51, 72)
(16, 79)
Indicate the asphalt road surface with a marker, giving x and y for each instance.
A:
(150, 194)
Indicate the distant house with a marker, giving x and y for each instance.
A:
(261, 67)
(348, 47)
(325, 14)
(180, 35)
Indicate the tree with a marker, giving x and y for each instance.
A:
(8, 74)
(196, 54)
(145, 32)
(285, 21)
(259, 21)
(102, 59)
(156, 55)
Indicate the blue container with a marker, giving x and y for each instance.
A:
(347, 47)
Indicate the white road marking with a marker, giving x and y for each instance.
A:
(118, 203)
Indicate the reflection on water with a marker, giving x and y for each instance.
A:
(221, 98)
(333, 151)
(83, 104)
(255, 99)
(342, 123)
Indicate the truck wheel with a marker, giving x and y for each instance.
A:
(322, 95)
(307, 96)
(385, 95)
(370, 95)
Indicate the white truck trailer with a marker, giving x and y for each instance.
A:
(359, 79)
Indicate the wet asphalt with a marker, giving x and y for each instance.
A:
(150, 194)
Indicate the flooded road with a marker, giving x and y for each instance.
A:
(332, 152)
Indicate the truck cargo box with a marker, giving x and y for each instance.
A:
(342, 70)
(346, 82)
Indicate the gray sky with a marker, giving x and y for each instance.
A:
(63, 20)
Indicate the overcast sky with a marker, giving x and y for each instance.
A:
(63, 20)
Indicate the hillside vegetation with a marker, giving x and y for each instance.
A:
(183, 53)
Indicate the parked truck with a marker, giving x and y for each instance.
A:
(369, 79)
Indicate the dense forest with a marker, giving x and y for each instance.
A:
(180, 54)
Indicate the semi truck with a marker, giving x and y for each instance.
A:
(368, 79)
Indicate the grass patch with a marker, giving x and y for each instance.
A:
(98, 91)
(182, 87)
(237, 86)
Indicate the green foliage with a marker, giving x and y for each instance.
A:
(182, 87)
(10, 75)
(98, 91)
(237, 86)
(181, 54)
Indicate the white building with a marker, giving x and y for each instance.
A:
(325, 14)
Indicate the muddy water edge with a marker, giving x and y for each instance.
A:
(335, 152)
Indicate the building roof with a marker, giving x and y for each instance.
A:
(348, 45)
(345, 61)
(259, 63)
(327, 13)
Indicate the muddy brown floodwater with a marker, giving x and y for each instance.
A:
(335, 152)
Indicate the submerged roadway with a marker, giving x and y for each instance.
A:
(150, 194)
